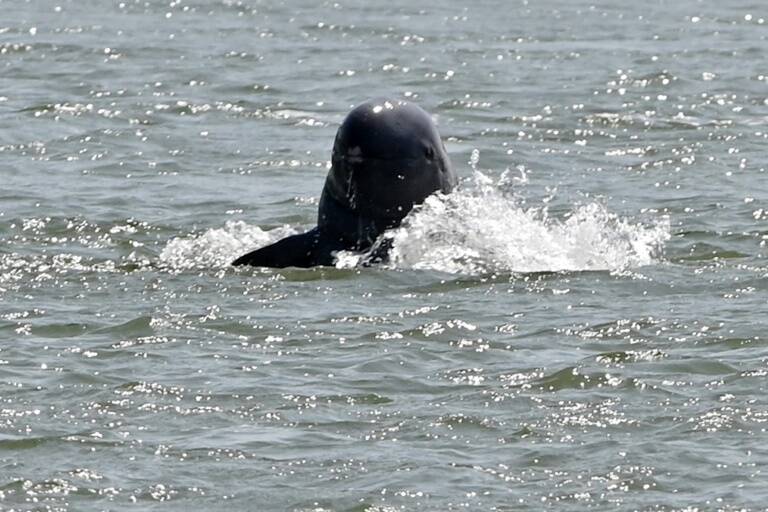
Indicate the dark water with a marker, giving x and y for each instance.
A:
(580, 326)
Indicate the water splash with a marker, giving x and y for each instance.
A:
(482, 228)
(218, 247)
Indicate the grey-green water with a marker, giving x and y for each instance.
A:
(580, 326)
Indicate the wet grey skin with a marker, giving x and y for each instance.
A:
(387, 158)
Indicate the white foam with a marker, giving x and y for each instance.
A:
(218, 247)
(481, 228)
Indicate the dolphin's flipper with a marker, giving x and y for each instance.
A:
(293, 251)
(310, 249)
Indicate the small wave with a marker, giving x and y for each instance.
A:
(218, 247)
(481, 228)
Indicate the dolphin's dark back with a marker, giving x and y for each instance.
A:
(387, 158)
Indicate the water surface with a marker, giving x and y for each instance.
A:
(580, 326)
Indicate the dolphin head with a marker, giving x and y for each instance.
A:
(387, 158)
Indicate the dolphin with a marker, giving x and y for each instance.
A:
(387, 158)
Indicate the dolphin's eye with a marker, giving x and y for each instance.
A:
(429, 152)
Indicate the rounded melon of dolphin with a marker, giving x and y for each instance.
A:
(387, 158)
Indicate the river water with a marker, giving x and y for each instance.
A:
(580, 326)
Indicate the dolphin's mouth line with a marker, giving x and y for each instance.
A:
(356, 159)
